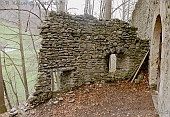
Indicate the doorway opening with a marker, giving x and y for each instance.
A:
(156, 52)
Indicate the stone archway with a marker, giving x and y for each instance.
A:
(155, 55)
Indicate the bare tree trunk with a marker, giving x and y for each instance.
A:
(102, 9)
(108, 9)
(123, 10)
(2, 100)
(12, 87)
(128, 12)
(33, 43)
(62, 6)
(92, 8)
(7, 97)
(22, 53)
(88, 9)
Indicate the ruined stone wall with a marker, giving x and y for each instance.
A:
(153, 9)
(164, 95)
(78, 49)
(143, 16)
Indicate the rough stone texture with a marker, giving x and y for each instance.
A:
(78, 49)
(144, 17)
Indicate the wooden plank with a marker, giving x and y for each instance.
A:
(140, 66)
(132, 75)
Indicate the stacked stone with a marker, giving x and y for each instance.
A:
(79, 47)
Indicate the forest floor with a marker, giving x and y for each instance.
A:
(101, 100)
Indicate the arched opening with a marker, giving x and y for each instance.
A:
(155, 58)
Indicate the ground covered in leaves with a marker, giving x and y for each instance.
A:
(101, 100)
(118, 99)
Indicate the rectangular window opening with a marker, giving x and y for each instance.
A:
(55, 81)
(112, 63)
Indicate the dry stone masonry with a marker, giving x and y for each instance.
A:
(76, 50)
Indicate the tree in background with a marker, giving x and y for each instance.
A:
(102, 9)
(105, 9)
(23, 66)
(88, 7)
(108, 10)
(21, 35)
(18, 23)
(61, 5)
(116, 9)
(123, 10)
(2, 100)
(127, 9)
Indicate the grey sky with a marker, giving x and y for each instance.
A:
(76, 7)
(81, 3)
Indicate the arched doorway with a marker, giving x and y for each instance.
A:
(155, 55)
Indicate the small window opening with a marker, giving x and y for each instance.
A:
(112, 63)
(55, 81)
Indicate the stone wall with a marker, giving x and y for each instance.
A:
(148, 30)
(142, 17)
(77, 49)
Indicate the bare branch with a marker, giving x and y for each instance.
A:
(42, 6)
(14, 66)
(22, 10)
(119, 7)
(50, 4)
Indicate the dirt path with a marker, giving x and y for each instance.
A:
(101, 100)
